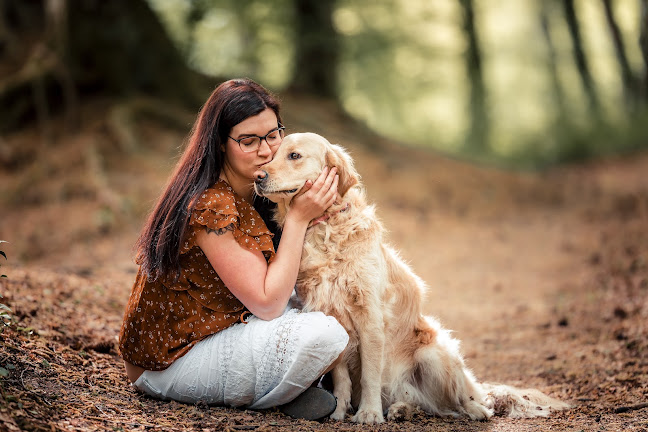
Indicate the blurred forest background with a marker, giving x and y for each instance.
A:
(521, 83)
(516, 81)
(503, 142)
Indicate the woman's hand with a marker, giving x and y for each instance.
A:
(314, 198)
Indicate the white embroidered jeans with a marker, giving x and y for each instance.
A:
(256, 365)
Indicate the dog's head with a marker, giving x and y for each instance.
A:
(302, 157)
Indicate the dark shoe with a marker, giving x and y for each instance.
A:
(314, 404)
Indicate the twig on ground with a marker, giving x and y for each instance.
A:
(30, 391)
(627, 408)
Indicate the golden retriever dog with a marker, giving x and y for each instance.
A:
(397, 359)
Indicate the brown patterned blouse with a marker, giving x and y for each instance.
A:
(165, 318)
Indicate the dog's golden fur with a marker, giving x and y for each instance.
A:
(397, 358)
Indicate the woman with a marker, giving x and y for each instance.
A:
(207, 319)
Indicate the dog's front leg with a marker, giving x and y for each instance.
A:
(372, 343)
(341, 389)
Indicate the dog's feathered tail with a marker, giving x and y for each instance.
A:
(437, 380)
(512, 402)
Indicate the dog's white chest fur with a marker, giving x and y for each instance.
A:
(330, 279)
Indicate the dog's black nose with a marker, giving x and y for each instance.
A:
(261, 176)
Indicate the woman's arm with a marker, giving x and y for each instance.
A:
(265, 289)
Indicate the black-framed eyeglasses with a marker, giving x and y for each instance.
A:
(252, 143)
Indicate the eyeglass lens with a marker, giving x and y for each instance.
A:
(250, 144)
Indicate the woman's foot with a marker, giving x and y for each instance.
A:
(313, 404)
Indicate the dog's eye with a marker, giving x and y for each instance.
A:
(294, 156)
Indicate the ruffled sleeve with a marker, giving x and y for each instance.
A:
(220, 209)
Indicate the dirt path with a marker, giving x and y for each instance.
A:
(544, 277)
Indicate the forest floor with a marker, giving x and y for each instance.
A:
(543, 276)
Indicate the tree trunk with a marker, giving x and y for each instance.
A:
(477, 138)
(556, 87)
(316, 53)
(115, 47)
(579, 56)
(627, 76)
(120, 45)
(643, 42)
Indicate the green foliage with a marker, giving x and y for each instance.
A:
(566, 143)
(4, 373)
(228, 38)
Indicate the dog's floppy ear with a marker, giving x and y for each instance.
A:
(337, 157)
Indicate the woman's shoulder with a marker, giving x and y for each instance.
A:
(220, 209)
(216, 210)
(218, 196)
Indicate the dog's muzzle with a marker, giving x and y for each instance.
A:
(261, 185)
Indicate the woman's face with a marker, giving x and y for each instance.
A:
(242, 164)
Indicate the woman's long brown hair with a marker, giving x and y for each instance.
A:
(158, 247)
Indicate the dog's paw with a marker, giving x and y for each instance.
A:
(477, 411)
(343, 405)
(400, 411)
(368, 416)
(338, 414)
